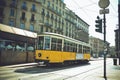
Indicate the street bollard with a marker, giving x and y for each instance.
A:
(115, 61)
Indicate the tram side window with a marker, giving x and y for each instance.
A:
(53, 44)
(80, 49)
(59, 45)
(88, 50)
(83, 49)
(75, 48)
(66, 47)
(56, 44)
(40, 42)
(47, 42)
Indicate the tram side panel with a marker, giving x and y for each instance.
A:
(87, 56)
(54, 56)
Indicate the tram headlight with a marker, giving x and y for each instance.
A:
(39, 54)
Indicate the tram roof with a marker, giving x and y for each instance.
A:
(65, 37)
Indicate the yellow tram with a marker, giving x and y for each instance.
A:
(56, 48)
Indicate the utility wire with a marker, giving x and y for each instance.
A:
(113, 8)
(79, 7)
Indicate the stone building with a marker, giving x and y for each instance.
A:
(43, 16)
(97, 46)
(29, 17)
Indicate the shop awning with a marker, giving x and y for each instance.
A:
(16, 34)
(13, 30)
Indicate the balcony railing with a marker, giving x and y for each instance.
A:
(43, 13)
(23, 19)
(53, 10)
(48, 25)
(33, 10)
(24, 8)
(59, 29)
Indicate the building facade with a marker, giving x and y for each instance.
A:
(35, 16)
(97, 46)
(43, 16)
(117, 43)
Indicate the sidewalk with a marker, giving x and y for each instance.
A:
(112, 73)
(93, 59)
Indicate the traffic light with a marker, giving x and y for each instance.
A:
(98, 25)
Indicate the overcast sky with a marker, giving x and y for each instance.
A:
(88, 10)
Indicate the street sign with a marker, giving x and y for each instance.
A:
(104, 11)
(104, 3)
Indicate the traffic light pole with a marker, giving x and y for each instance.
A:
(104, 4)
(104, 18)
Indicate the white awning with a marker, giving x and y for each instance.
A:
(17, 31)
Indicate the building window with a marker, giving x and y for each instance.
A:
(31, 27)
(42, 19)
(12, 12)
(56, 1)
(13, 4)
(24, 6)
(42, 29)
(1, 12)
(33, 7)
(22, 26)
(44, 1)
(43, 11)
(53, 6)
(23, 16)
(1, 20)
(11, 23)
(32, 17)
(48, 14)
(48, 3)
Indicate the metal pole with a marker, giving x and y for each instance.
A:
(104, 45)
(119, 30)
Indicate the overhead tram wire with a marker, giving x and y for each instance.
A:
(113, 8)
(83, 9)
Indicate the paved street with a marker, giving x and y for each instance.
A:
(72, 72)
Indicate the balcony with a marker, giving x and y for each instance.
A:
(50, 8)
(48, 25)
(55, 11)
(32, 21)
(23, 19)
(24, 8)
(59, 29)
(11, 17)
(33, 10)
(43, 13)
(48, 16)
(72, 22)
